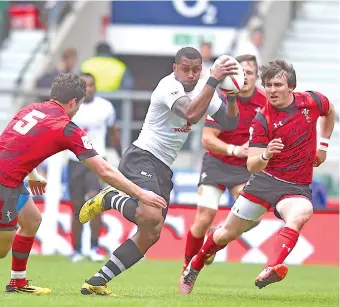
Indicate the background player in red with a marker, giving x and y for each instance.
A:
(35, 133)
(224, 164)
(281, 156)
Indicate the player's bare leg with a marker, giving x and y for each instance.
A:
(207, 206)
(295, 211)
(232, 228)
(217, 240)
(29, 219)
(6, 240)
(149, 221)
(235, 192)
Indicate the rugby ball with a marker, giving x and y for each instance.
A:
(231, 84)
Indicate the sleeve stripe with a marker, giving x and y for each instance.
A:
(316, 99)
(212, 125)
(259, 145)
(86, 155)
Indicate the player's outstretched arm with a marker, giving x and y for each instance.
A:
(194, 110)
(211, 142)
(326, 128)
(115, 178)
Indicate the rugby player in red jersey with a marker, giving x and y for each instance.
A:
(281, 155)
(225, 161)
(37, 132)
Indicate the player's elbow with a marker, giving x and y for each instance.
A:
(192, 118)
(206, 141)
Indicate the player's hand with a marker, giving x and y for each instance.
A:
(38, 187)
(222, 69)
(241, 151)
(320, 157)
(274, 147)
(151, 199)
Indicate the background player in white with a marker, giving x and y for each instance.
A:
(179, 100)
(225, 162)
(96, 116)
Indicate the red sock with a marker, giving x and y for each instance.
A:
(209, 248)
(283, 245)
(192, 247)
(21, 249)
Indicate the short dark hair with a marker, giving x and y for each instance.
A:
(103, 48)
(88, 75)
(189, 53)
(67, 86)
(247, 58)
(270, 70)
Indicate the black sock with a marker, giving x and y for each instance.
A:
(122, 203)
(121, 259)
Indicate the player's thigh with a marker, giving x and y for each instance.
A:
(149, 173)
(243, 214)
(236, 190)
(8, 217)
(29, 217)
(209, 196)
(295, 208)
(6, 240)
(207, 203)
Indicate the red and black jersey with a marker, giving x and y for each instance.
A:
(296, 126)
(247, 109)
(37, 132)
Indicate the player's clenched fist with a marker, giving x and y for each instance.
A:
(320, 157)
(274, 147)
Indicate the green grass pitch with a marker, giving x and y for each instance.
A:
(154, 284)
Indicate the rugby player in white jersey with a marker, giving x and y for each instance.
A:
(180, 100)
(96, 116)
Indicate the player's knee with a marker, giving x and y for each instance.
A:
(297, 221)
(3, 253)
(154, 235)
(204, 219)
(31, 226)
(144, 219)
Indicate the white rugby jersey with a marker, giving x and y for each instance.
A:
(163, 132)
(94, 118)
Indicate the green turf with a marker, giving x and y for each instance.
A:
(154, 283)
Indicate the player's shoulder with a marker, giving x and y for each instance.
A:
(102, 102)
(70, 128)
(169, 81)
(309, 98)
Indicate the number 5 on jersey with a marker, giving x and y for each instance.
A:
(28, 122)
